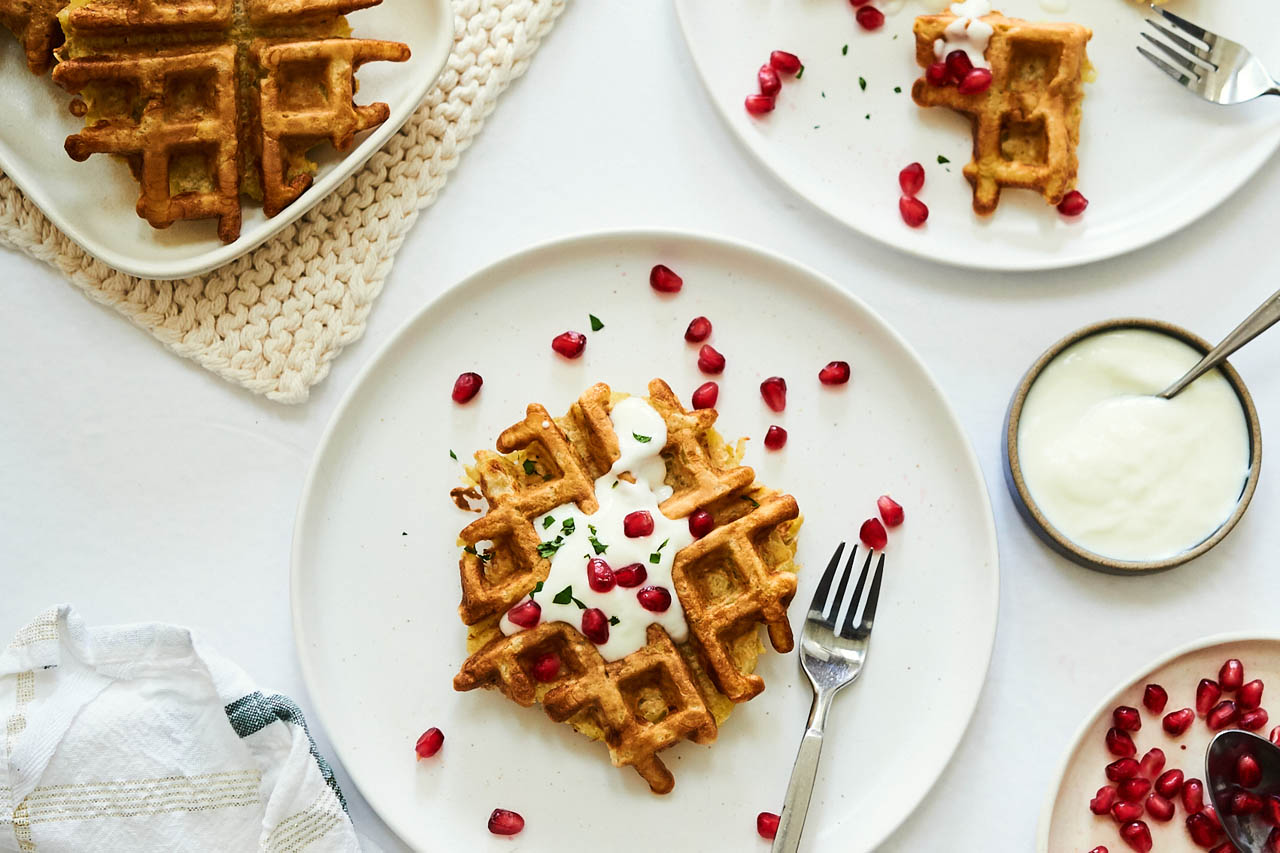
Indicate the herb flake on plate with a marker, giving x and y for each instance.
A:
(596, 325)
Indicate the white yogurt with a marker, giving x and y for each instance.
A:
(967, 32)
(578, 537)
(1120, 472)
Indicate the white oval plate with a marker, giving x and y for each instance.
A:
(375, 583)
(1066, 822)
(93, 202)
(1153, 158)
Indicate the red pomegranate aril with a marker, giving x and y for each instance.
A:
(835, 373)
(757, 105)
(1119, 743)
(505, 822)
(937, 74)
(1073, 203)
(600, 575)
(911, 179)
(637, 524)
(774, 392)
(526, 614)
(1159, 807)
(1203, 831)
(1252, 721)
(631, 576)
(767, 825)
(1274, 737)
(1099, 849)
(1211, 815)
(1154, 698)
(1245, 803)
(1152, 763)
(769, 81)
(663, 278)
(706, 395)
(701, 523)
(699, 330)
(595, 627)
(710, 360)
(787, 63)
(569, 344)
(1137, 835)
(1124, 811)
(857, 3)
(775, 438)
(1103, 800)
(1222, 715)
(870, 18)
(429, 743)
(1248, 771)
(546, 668)
(655, 599)
(1231, 676)
(1207, 695)
(1271, 811)
(1225, 847)
(914, 212)
(1177, 722)
(975, 82)
(1169, 783)
(466, 386)
(873, 535)
(1272, 844)
(958, 65)
(891, 512)
(1193, 795)
(1122, 768)
(1250, 695)
(1126, 718)
(1134, 790)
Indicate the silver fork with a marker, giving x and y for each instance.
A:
(832, 659)
(1215, 68)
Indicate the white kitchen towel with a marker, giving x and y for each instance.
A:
(138, 738)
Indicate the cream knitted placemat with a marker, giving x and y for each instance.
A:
(274, 319)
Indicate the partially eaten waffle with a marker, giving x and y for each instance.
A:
(1026, 125)
(567, 579)
(209, 100)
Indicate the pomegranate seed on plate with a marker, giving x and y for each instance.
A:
(1099, 849)
(774, 392)
(760, 104)
(911, 179)
(937, 74)
(429, 743)
(504, 822)
(1222, 715)
(787, 63)
(1250, 695)
(975, 82)
(466, 386)
(1231, 676)
(1169, 783)
(637, 524)
(1207, 695)
(525, 614)
(767, 825)
(1073, 203)
(1103, 800)
(1154, 698)
(1202, 830)
(1137, 835)
(1211, 815)
(891, 512)
(569, 344)
(775, 438)
(1119, 743)
(1159, 807)
(1177, 722)
(599, 575)
(1126, 718)
(664, 279)
(706, 395)
(710, 360)
(701, 523)
(595, 627)
(656, 599)
(1134, 790)
(1123, 811)
(835, 373)
(914, 211)
(546, 668)
(630, 576)
(699, 330)
(770, 82)
(1193, 795)
(1122, 768)
(870, 18)
(1253, 720)
(958, 65)
(1152, 763)
(857, 3)
(1248, 772)
(872, 534)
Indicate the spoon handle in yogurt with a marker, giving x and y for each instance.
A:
(1256, 323)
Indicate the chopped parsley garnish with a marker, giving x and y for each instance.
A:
(547, 549)
(942, 160)
(897, 90)
(868, 115)
(537, 587)
(564, 596)
(530, 468)
(471, 549)
(567, 527)
(453, 456)
(547, 522)
(800, 73)
(596, 546)
(613, 620)
(643, 439)
(862, 83)
(655, 558)
(844, 51)
(596, 325)
(581, 606)
(751, 500)
(664, 544)
(615, 484)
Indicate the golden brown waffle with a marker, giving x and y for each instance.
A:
(35, 23)
(737, 577)
(209, 100)
(1027, 124)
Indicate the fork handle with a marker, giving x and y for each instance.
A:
(796, 805)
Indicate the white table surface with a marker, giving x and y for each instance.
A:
(137, 486)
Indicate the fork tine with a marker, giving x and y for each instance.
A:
(1179, 76)
(846, 630)
(830, 621)
(819, 603)
(1178, 58)
(1187, 27)
(873, 598)
(1193, 49)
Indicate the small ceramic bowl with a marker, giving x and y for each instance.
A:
(1051, 535)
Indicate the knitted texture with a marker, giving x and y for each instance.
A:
(273, 320)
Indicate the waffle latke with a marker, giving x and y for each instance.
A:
(35, 23)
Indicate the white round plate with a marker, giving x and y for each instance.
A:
(1066, 822)
(1153, 158)
(375, 580)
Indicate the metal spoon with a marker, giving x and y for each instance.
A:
(1256, 323)
(1247, 832)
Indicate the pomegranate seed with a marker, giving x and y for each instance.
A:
(1211, 814)
(1248, 772)
(699, 330)
(958, 65)
(1222, 715)
(914, 211)
(710, 360)
(1272, 844)
(1252, 721)
(870, 18)
(775, 438)
(637, 524)
(774, 392)
(569, 344)
(1159, 808)
(1231, 676)
(1202, 830)
(546, 668)
(767, 824)
(1123, 812)
(857, 3)
(1119, 743)
(911, 179)
(599, 575)
(1104, 800)
(1250, 695)
(631, 576)
(1193, 795)
(1073, 203)
(1152, 763)
(1245, 802)
(1137, 835)
(701, 523)
(706, 395)
(1134, 790)
(1272, 811)
(1225, 847)
(1126, 718)
(835, 373)
(526, 614)
(1099, 849)
(1274, 737)
(937, 74)
(758, 105)
(429, 743)
(504, 822)
(1169, 783)
(975, 82)
(466, 386)
(655, 599)
(872, 534)
(595, 627)
(891, 512)
(664, 279)
(1122, 768)
(1207, 695)
(1154, 698)
(787, 63)
(1177, 722)
(770, 82)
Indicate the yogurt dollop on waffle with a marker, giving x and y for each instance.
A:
(574, 538)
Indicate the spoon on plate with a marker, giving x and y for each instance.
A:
(1222, 769)
(1255, 324)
